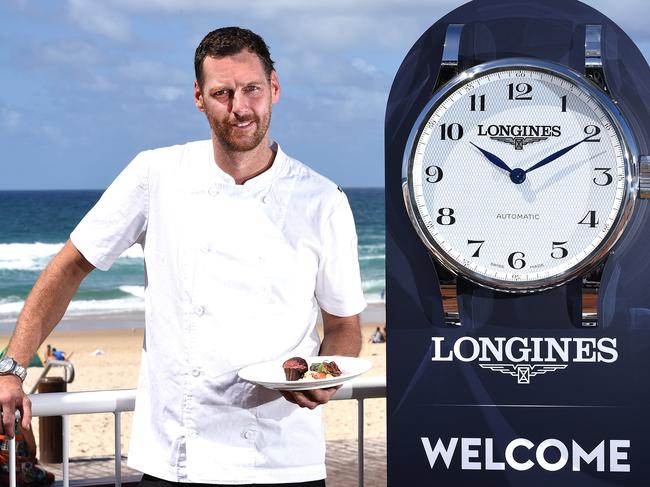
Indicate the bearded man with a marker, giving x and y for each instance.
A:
(242, 246)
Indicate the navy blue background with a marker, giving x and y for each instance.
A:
(591, 401)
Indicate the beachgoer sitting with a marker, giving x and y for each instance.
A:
(377, 336)
(58, 354)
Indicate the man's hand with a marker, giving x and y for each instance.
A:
(341, 336)
(13, 398)
(44, 308)
(311, 398)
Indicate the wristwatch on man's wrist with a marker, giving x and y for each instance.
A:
(9, 366)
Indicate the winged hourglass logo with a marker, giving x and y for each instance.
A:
(519, 142)
(523, 373)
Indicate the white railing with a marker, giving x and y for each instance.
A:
(66, 404)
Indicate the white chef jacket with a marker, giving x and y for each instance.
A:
(234, 275)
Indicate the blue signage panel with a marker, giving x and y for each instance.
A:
(521, 392)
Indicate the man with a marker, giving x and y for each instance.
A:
(242, 244)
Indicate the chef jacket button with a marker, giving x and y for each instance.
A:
(213, 191)
(191, 433)
(199, 310)
(196, 372)
(248, 434)
(265, 199)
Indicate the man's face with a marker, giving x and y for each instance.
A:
(237, 97)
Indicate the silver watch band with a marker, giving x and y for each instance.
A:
(20, 371)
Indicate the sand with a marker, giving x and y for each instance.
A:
(117, 368)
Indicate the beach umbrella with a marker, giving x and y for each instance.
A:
(35, 362)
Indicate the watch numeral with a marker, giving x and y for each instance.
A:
(481, 103)
(478, 249)
(591, 216)
(454, 131)
(434, 174)
(519, 91)
(446, 216)
(562, 251)
(608, 177)
(564, 103)
(516, 260)
(592, 131)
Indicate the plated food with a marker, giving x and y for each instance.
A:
(296, 368)
(279, 374)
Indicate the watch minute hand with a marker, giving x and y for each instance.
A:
(555, 155)
(493, 159)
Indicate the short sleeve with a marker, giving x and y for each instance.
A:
(118, 220)
(338, 281)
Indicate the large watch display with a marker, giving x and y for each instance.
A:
(520, 174)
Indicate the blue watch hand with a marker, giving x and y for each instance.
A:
(493, 159)
(555, 155)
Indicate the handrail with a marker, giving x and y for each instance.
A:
(68, 372)
(122, 400)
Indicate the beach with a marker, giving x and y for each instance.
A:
(106, 355)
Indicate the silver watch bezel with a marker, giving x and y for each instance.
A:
(630, 155)
(16, 369)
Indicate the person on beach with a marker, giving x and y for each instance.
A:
(377, 336)
(59, 354)
(243, 244)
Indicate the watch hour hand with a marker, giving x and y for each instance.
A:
(493, 158)
(555, 155)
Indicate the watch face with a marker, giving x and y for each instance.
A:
(519, 175)
(6, 365)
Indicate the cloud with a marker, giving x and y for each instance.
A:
(98, 17)
(155, 71)
(365, 67)
(100, 84)
(167, 93)
(10, 119)
(69, 52)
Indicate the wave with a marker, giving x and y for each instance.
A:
(370, 247)
(373, 285)
(372, 257)
(137, 291)
(35, 256)
(374, 298)
(10, 310)
(27, 256)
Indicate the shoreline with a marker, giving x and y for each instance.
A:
(375, 313)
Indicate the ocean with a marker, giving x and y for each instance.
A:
(35, 224)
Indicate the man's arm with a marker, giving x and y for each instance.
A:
(341, 336)
(44, 308)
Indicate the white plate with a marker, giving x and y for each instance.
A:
(271, 374)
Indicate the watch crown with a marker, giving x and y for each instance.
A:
(644, 177)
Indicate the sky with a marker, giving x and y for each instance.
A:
(87, 84)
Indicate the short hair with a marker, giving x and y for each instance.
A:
(229, 41)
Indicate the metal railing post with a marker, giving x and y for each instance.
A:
(66, 450)
(360, 438)
(118, 449)
(12, 462)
